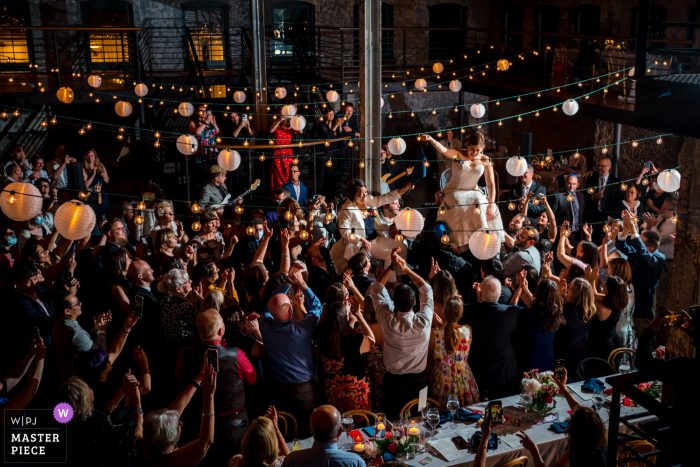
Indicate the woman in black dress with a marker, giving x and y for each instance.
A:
(328, 129)
(570, 341)
(546, 227)
(603, 337)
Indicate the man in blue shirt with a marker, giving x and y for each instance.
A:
(326, 428)
(289, 348)
(297, 189)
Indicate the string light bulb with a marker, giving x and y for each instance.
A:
(441, 211)
(576, 154)
(84, 195)
(53, 120)
(352, 237)
(350, 144)
(606, 228)
(120, 137)
(445, 239)
(303, 234)
(239, 209)
(511, 206)
(537, 114)
(570, 197)
(535, 201)
(635, 144)
(365, 214)
(531, 232)
(81, 132)
(426, 163)
(659, 141)
(140, 206)
(567, 232)
(477, 210)
(604, 150)
(250, 230)
(645, 181)
(434, 112)
(196, 226)
(138, 220)
(44, 123)
(392, 162)
(121, 129)
(195, 208)
(329, 216)
(362, 164)
(288, 215)
(623, 187)
(399, 236)
(16, 113)
(156, 144)
(295, 161)
(329, 162)
(245, 143)
(674, 219)
(13, 198)
(591, 191)
(262, 158)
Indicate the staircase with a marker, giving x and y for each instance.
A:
(25, 130)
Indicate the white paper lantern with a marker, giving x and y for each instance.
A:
(381, 102)
(484, 245)
(516, 166)
(632, 72)
(74, 220)
(186, 144)
(409, 222)
(65, 95)
(477, 110)
(289, 111)
(298, 122)
(239, 97)
(570, 107)
(437, 68)
(25, 204)
(455, 85)
(141, 89)
(669, 180)
(229, 160)
(123, 108)
(397, 146)
(95, 81)
(280, 93)
(503, 64)
(185, 109)
(420, 84)
(332, 96)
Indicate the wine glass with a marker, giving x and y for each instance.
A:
(433, 419)
(526, 400)
(624, 364)
(598, 399)
(452, 406)
(348, 422)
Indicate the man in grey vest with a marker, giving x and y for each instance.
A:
(234, 370)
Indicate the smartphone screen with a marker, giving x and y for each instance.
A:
(559, 368)
(496, 412)
(144, 239)
(647, 165)
(138, 306)
(244, 117)
(460, 442)
(37, 334)
(213, 359)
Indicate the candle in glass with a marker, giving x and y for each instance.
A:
(359, 446)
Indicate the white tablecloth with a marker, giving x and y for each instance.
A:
(551, 445)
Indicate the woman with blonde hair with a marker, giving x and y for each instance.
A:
(95, 177)
(263, 444)
(579, 308)
(450, 344)
(214, 299)
(165, 218)
(444, 288)
(625, 328)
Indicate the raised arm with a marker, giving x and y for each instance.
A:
(552, 232)
(18, 403)
(118, 344)
(448, 152)
(492, 208)
(262, 248)
(286, 260)
(561, 248)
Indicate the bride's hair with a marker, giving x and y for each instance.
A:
(476, 139)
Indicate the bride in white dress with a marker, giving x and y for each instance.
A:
(461, 196)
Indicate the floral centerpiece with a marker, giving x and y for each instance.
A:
(542, 388)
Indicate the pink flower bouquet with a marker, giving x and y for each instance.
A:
(542, 388)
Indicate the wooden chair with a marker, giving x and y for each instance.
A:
(640, 446)
(618, 352)
(520, 461)
(537, 178)
(499, 192)
(283, 416)
(362, 414)
(409, 405)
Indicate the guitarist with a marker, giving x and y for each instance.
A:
(215, 191)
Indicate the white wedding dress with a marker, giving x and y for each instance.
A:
(462, 190)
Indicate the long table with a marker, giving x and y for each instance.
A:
(551, 445)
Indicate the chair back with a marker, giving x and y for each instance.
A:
(286, 418)
(584, 178)
(640, 446)
(616, 355)
(537, 178)
(594, 368)
(409, 405)
(363, 414)
(520, 461)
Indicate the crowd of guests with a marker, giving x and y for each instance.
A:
(309, 308)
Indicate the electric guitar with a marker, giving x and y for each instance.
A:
(229, 200)
(386, 181)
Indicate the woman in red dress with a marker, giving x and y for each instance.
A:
(279, 166)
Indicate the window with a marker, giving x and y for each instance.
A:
(512, 20)
(387, 36)
(107, 49)
(292, 22)
(445, 44)
(206, 22)
(658, 14)
(546, 20)
(15, 44)
(587, 23)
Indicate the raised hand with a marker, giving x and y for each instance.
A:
(267, 233)
(284, 241)
(209, 381)
(434, 268)
(102, 321)
(130, 321)
(140, 356)
(347, 279)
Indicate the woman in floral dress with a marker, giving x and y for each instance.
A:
(450, 348)
(282, 131)
(342, 367)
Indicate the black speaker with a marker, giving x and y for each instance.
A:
(526, 146)
(76, 182)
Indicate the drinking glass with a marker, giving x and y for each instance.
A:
(526, 400)
(452, 406)
(397, 430)
(348, 422)
(380, 427)
(624, 364)
(296, 444)
(405, 421)
(433, 419)
(598, 399)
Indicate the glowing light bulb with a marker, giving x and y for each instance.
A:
(352, 237)
(623, 187)
(392, 162)
(218, 140)
(371, 141)
(84, 195)
(535, 201)
(156, 144)
(350, 144)
(511, 206)
(271, 142)
(531, 232)
(329, 163)
(13, 198)
(245, 143)
(591, 191)
(635, 218)
(195, 208)
(537, 114)
(439, 135)
(81, 132)
(426, 163)
(141, 206)
(645, 182)
(500, 123)
(445, 239)
(239, 209)
(441, 211)
(365, 214)
(262, 157)
(121, 129)
(576, 154)
(399, 237)
(295, 161)
(567, 232)
(604, 150)
(606, 228)
(250, 230)
(674, 219)
(44, 123)
(88, 126)
(288, 215)
(635, 144)
(120, 137)
(570, 197)
(196, 226)
(329, 216)
(304, 234)
(54, 121)
(434, 112)
(138, 220)
(477, 210)
(362, 164)
(16, 113)
(659, 141)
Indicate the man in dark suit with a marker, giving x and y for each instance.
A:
(647, 265)
(116, 240)
(571, 211)
(525, 188)
(605, 199)
(492, 358)
(350, 127)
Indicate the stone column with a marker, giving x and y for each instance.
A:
(370, 92)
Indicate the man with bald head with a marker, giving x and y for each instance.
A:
(494, 366)
(141, 275)
(326, 428)
(289, 348)
(234, 372)
(570, 210)
(605, 200)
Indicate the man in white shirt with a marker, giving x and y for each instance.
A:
(17, 158)
(665, 227)
(449, 142)
(385, 218)
(57, 167)
(14, 174)
(406, 335)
